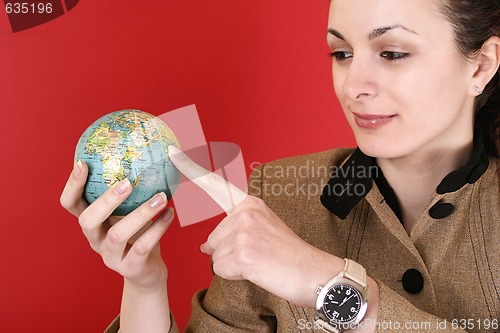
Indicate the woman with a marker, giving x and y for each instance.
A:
(414, 210)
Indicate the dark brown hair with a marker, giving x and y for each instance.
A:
(474, 23)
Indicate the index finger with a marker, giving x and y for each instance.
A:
(225, 194)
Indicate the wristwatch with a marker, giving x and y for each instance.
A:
(342, 301)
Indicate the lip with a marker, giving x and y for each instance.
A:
(372, 120)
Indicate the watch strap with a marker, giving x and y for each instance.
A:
(326, 326)
(355, 272)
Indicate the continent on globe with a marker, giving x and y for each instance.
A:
(128, 144)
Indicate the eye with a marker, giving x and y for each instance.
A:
(340, 55)
(393, 56)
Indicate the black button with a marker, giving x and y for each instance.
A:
(413, 281)
(441, 210)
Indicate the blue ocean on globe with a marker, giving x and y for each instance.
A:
(128, 144)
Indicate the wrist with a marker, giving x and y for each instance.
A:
(144, 289)
(370, 319)
(145, 309)
(368, 324)
(149, 281)
(326, 268)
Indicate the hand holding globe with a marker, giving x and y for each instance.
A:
(121, 181)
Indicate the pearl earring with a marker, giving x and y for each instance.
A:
(478, 90)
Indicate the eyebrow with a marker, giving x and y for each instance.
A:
(375, 33)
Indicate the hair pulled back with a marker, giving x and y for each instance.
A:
(474, 23)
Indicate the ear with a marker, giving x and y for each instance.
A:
(488, 62)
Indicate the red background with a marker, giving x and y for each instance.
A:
(257, 72)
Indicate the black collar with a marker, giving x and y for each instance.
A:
(352, 182)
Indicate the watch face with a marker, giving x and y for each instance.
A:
(342, 303)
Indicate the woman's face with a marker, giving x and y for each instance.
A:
(398, 74)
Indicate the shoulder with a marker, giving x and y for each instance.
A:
(330, 158)
(285, 174)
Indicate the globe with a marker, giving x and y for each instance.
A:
(128, 144)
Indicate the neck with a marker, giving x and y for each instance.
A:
(414, 177)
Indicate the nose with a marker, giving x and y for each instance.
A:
(360, 82)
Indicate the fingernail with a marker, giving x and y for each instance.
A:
(77, 168)
(168, 214)
(122, 186)
(173, 150)
(158, 200)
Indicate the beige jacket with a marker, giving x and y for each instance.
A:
(456, 253)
